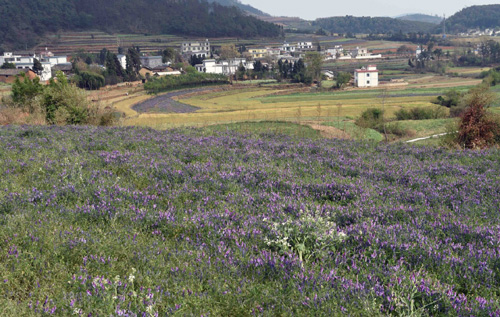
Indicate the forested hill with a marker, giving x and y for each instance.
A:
(244, 7)
(368, 25)
(483, 17)
(421, 18)
(23, 22)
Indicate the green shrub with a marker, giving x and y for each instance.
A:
(371, 118)
(59, 102)
(395, 129)
(421, 113)
(450, 99)
(89, 80)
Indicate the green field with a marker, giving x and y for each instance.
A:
(299, 104)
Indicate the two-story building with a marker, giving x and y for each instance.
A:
(150, 61)
(305, 46)
(200, 49)
(257, 52)
(366, 77)
(287, 48)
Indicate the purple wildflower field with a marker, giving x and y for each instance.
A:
(138, 222)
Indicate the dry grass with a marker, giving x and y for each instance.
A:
(17, 116)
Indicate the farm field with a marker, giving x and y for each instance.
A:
(296, 104)
(227, 222)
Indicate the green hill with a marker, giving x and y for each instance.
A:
(367, 25)
(421, 18)
(24, 22)
(483, 17)
(244, 7)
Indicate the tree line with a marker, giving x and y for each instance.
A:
(24, 22)
(369, 25)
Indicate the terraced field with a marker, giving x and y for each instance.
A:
(275, 102)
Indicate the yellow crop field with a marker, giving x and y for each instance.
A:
(257, 104)
(281, 103)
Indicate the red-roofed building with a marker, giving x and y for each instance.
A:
(366, 77)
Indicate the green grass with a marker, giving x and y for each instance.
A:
(423, 128)
(354, 131)
(256, 129)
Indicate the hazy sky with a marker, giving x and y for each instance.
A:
(312, 9)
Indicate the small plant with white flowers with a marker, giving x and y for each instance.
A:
(311, 236)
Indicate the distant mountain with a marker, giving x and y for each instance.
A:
(244, 7)
(24, 22)
(483, 17)
(421, 18)
(368, 25)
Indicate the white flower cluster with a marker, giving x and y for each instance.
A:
(311, 235)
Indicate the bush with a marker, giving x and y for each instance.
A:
(59, 102)
(477, 129)
(421, 113)
(371, 118)
(450, 99)
(89, 80)
(395, 129)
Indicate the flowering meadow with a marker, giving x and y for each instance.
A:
(138, 222)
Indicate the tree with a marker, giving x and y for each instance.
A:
(476, 129)
(343, 79)
(241, 72)
(228, 52)
(89, 80)
(195, 60)
(314, 61)
(168, 55)
(8, 66)
(133, 64)
(103, 54)
(404, 50)
(25, 90)
(37, 66)
(438, 52)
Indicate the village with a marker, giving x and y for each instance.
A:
(45, 64)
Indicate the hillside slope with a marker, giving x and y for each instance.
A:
(244, 7)
(371, 25)
(188, 222)
(23, 22)
(486, 16)
(418, 17)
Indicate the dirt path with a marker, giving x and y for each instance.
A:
(326, 131)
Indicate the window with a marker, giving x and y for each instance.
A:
(368, 75)
(367, 82)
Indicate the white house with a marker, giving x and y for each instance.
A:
(123, 60)
(362, 53)
(288, 48)
(304, 46)
(9, 57)
(418, 51)
(54, 60)
(366, 77)
(200, 49)
(223, 67)
(45, 74)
